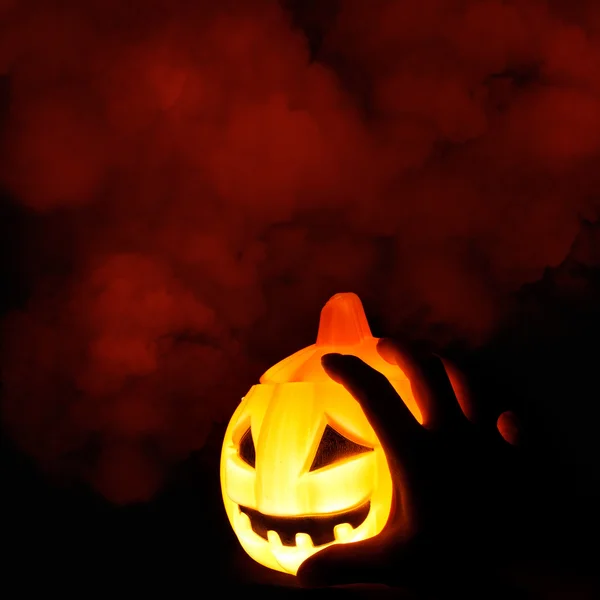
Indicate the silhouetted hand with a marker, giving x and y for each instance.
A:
(455, 514)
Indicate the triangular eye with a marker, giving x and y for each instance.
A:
(247, 450)
(333, 447)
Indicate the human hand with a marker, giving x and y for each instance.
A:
(455, 508)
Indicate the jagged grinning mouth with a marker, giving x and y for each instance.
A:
(319, 527)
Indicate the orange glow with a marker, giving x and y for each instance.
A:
(301, 467)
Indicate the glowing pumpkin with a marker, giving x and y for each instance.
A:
(301, 467)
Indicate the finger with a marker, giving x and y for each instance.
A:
(462, 389)
(430, 383)
(392, 421)
(509, 428)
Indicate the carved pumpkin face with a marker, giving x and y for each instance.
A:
(301, 467)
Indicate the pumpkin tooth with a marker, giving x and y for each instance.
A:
(343, 532)
(304, 541)
(244, 521)
(274, 538)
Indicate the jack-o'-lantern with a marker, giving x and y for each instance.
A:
(301, 467)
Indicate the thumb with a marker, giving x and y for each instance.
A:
(358, 562)
(333, 566)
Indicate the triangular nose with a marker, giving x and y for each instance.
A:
(343, 322)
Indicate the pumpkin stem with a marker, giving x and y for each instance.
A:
(343, 322)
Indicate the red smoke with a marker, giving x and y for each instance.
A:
(198, 187)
